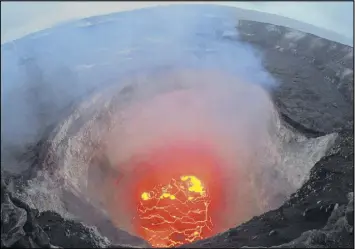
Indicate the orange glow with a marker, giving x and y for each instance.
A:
(175, 213)
(177, 196)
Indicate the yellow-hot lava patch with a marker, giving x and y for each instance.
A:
(175, 213)
(177, 195)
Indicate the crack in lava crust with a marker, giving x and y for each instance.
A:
(181, 203)
(175, 213)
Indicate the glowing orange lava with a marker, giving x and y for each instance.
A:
(177, 195)
(176, 213)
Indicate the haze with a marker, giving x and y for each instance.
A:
(21, 18)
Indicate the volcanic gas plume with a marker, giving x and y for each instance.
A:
(176, 156)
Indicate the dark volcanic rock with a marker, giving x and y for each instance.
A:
(316, 75)
(23, 227)
(310, 208)
(68, 233)
(316, 101)
(338, 232)
(315, 98)
(349, 212)
(12, 221)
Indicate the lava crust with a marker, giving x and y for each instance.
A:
(181, 203)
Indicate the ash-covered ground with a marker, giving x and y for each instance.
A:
(276, 103)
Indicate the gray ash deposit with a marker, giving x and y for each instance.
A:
(257, 113)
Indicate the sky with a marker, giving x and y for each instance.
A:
(21, 18)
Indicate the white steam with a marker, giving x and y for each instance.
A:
(264, 160)
(196, 80)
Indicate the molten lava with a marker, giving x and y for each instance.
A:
(178, 196)
(176, 213)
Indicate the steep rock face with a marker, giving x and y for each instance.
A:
(24, 227)
(310, 208)
(18, 226)
(315, 96)
(319, 214)
(338, 231)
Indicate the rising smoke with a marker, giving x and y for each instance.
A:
(192, 82)
(263, 161)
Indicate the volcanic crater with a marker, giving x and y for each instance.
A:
(222, 156)
(178, 155)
